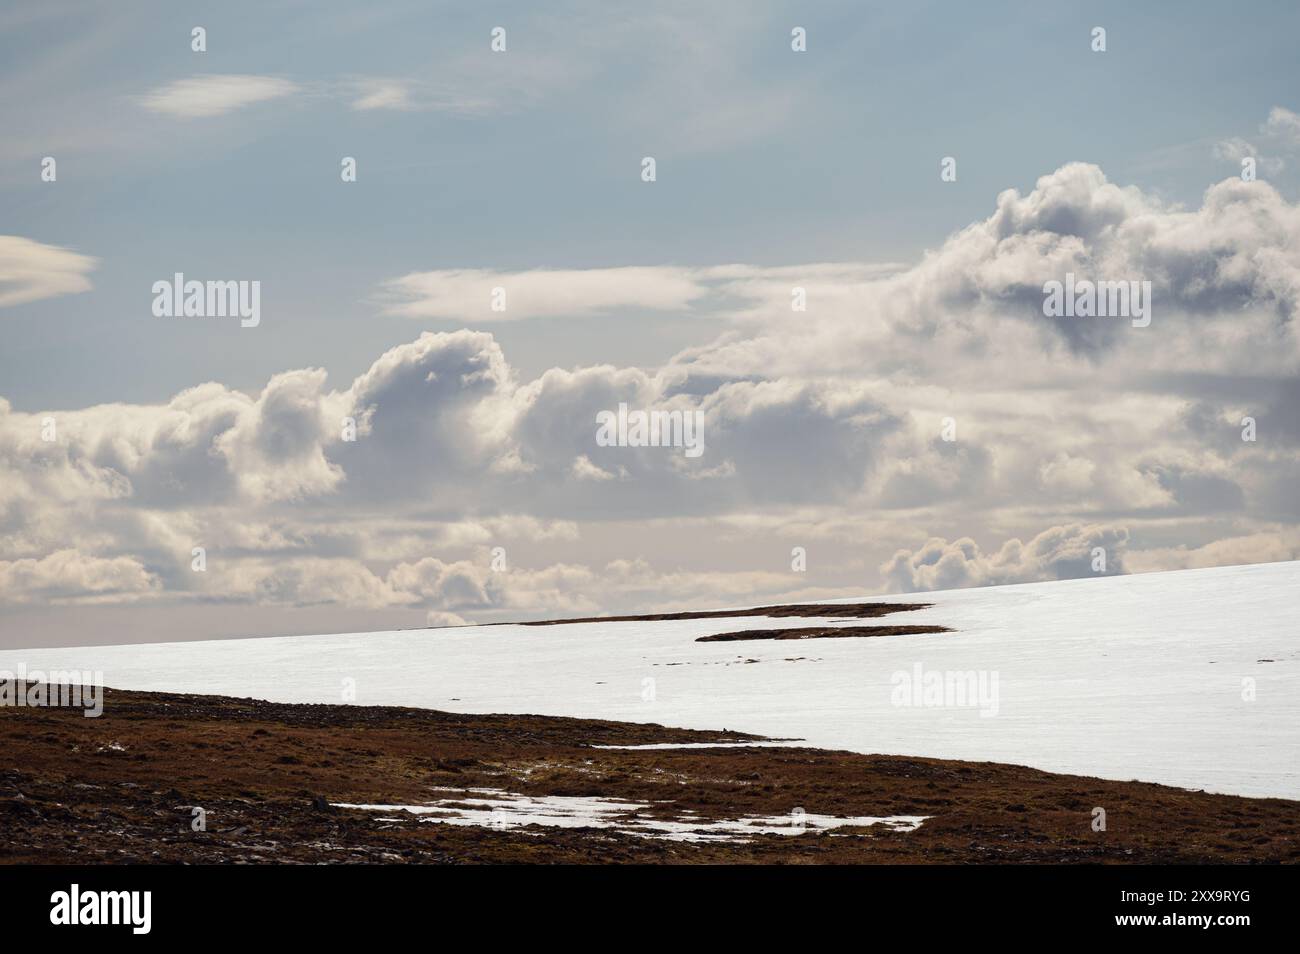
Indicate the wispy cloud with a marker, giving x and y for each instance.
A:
(466, 294)
(734, 291)
(30, 271)
(1236, 149)
(382, 94)
(215, 94)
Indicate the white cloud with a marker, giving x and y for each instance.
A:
(1236, 149)
(1281, 131)
(1059, 553)
(737, 292)
(1284, 125)
(304, 581)
(214, 94)
(277, 448)
(69, 575)
(1225, 280)
(467, 294)
(584, 469)
(382, 94)
(31, 271)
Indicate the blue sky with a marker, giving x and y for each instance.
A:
(547, 176)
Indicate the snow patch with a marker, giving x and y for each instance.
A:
(508, 811)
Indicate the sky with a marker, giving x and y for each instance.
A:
(920, 424)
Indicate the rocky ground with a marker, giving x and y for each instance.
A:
(122, 788)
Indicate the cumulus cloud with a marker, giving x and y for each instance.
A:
(214, 94)
(30, 271)
(292, 514)
(208, 446)
(277, 448)
(1225, 281)
(69, 575)
(1059, 553)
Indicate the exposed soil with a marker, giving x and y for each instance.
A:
(821, 632)
(831, 610)
(121, 788)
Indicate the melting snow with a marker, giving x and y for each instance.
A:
(493, 808)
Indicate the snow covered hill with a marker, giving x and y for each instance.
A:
(1189, 678)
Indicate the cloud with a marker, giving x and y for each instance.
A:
(1284, 125)
(1060, 553)
(448, 586)
(434, 416)
(277, 448)
(382, 94)
(31, 271)
(584, 469)
(1236, 149)
(467, 294)
(293, 514)
(437, 619)
(795, 441)
(214, 94)
(455, 95)
(967, 319)
(303, 581)
(574, 589)
(69, 575)
(1274, 545)
(207, 446)
(1281, 130)
(1225, 280)
(739, 293)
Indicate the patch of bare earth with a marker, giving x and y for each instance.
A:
(822, 610)
(122, 788)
